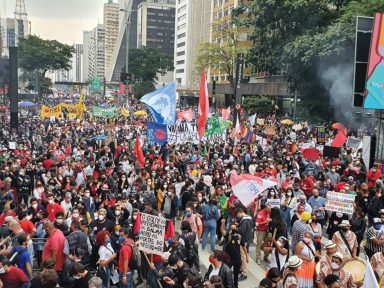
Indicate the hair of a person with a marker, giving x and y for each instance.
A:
(216, 281)
(59, 214)
(239, 210)
(100, 237)
(330, 279)
(49, 278)
(75, 225)
(22, 238)
(218, 255)
(274, 272)
(48, 264)
(95, 282)
(78, 268)
(186, 226)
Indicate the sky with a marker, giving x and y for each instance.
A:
(62, 20)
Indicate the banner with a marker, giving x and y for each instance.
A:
(162, 104)
(47, 112)
(187, 132)
(104, 112)
(152, 232)
(70, 111)
(339, 202)
(157, 133)
(247, 187)
(273, 203)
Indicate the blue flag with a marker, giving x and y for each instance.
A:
(157, 133)
(162, 104)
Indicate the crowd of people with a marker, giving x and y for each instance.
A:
(71, 206)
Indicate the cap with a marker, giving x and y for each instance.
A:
(329, 244)
(294, 261)
(345, 223)
(376, 220)
(338, 255)
(267, 283)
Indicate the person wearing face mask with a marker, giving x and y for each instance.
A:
(12, 276)
(53, 208)
(78, 240)
(61, 224)
(210, 215)
(123, 183)
(377, 262)
(345, 240)
(76, 256)
(102, 222)
(81, 276)
(318, 206)
(289, 276)
(235, 247)
(119, 216)
(287, 203)
(374, 206)
(89, 203)
(373, 175)
(193, 219)
(33, 209)
(306, 251)
(106, 255)
(219, 268)
(75, 216)
(326, 259)
(375, 238)
(345, 277)
(333, 176)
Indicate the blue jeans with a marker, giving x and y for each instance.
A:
(210, 227)
(130, 283)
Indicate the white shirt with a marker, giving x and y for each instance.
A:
(105, 252)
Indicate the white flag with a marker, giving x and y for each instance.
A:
(369, 278)
(252, 119)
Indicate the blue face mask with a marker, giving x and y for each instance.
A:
(170, 241)
(188, 214)
(121, 239)
(377, 226)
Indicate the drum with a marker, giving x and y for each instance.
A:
(357, 269)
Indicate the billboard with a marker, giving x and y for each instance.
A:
(375, 75)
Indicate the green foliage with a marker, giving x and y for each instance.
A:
(146, 62)
(142, 88)
(262, 105)
(37, 54)
(299, 36)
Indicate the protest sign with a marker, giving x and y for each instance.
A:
(320, 135)
(273, 203)
(152, 234)
(186, 132)
(339, 202)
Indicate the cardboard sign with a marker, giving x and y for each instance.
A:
(152, 234)
(339, 202)
(270, 130)
(320, 133)
(273, 203)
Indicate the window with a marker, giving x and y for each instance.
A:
(182, 26)
(181, 18)
(180, 71)
(181, 35)
(181, 53)
(183, 8)
(182, 44)
(180, 62)
(178, 80)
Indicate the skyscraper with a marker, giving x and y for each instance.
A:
(193, 19)
(111, 25)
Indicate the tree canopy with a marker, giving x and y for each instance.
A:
(145, 63)
(258, 104)
(37, 54)
(299, 37)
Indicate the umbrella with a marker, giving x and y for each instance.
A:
(287, 122)
(311, 154)
(337, 126)
(297, 127)
(140, 113)
(26, 104)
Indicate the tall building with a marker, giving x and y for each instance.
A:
(192, 27)
(156, 25)
(111, 25)
(76, 73)
(93, 50)
(150, 23)
(22, 25)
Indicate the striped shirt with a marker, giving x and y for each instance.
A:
(371, 234)
(298, 230)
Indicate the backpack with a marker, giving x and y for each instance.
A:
(190, 246)
(13, 256)
(135, 261)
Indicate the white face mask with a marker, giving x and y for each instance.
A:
(272, 194)
(101, 217)
(134, 217)
(2, 270)
(76, 277)
(117, 233)
(50, 201)
(87, 195)
(75, 215)
(289, 194)
(117, 212)
(34, 206)
(334, 266)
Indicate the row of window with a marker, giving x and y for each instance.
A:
(219, 2)
(223, 13)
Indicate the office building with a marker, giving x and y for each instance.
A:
(111, 25)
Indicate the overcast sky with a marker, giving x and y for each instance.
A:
(62, 20)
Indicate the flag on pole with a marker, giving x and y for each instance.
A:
(247, 187)
(203, 106)
(139, 153)
(369, 278)
(225, 113)
(340, 138)
(252, 119)
(236, 133)
(186, 115)
(122, 88)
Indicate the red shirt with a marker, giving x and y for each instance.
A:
(125, 254)
(55, 244)
(262, 216)
(48, 163)
(14, 278)
(27, 226)
(52, 209)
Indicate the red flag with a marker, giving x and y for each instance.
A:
(225, 113)
(170, 230)
(340, 138)
(122, 88)
(203, 105)
(139, 153)
(186, 115)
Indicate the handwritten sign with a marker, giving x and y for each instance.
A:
(273, 203)
(340, 202)
(152, 234)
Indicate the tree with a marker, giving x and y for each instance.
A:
(40, 56)
(303, 37)
(142, 88)
(146, 63)
(221, 53)
(262, 105)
